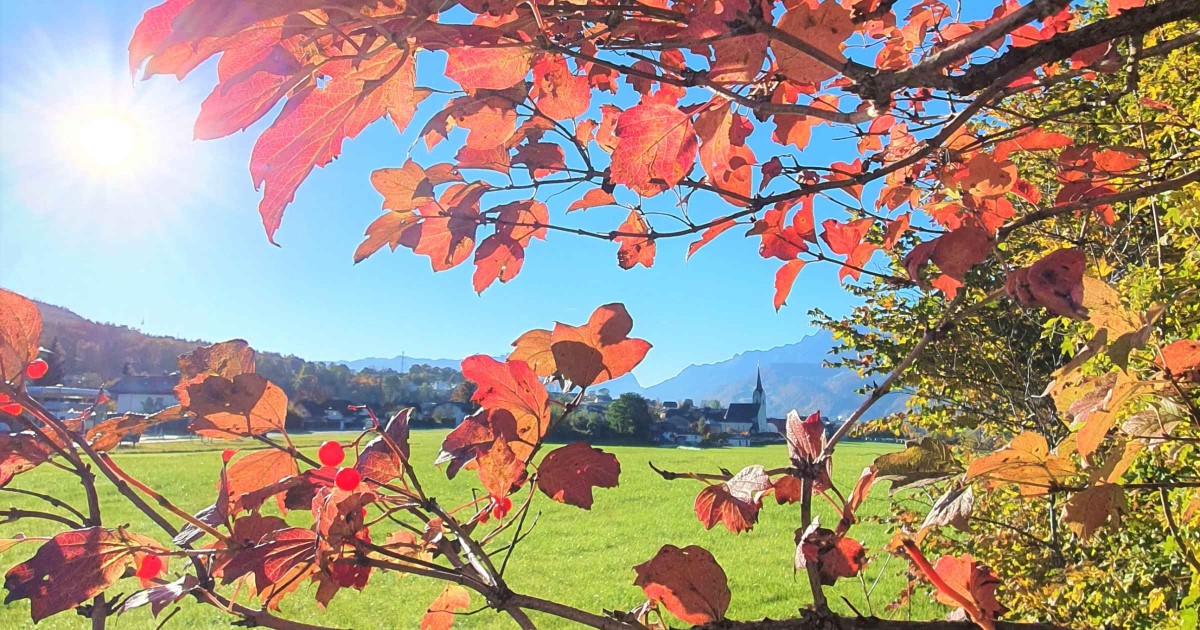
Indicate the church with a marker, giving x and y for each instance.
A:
(748, 417)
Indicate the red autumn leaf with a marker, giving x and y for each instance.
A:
(1054, 282)
(823, 27)
(465, 442)
(1115, 7)
(805, 437)
(606, 133)
(446, 231)
(383, 458)
(724, 157)
(778, 241)
(252, 80)
(488, 68)
(785, 277)
(843, 238)
(72, 567)
(711, 232)
(1113, 160)
(591, 199)
(787, 489)
(558, 93)
(655, 149)
(635, 250)
(20, 452)
(835, 555)
(895, 230)
(440, 614)
(20, 328)
(688, 582)
(954, 253)
(316, 120)
(971, 580)
(734, 503)
(598, 351)
(513, 387)
(569, 473)
(247, 405)
(258, 470)
(499, 257)
(1032, 140)
(857, 496)
(276, 556)
(1181, 358)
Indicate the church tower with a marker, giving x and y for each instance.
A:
(760, 399)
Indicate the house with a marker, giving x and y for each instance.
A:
(449, 413)
(143, 394)
(64, 402)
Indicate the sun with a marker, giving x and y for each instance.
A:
(108, 143)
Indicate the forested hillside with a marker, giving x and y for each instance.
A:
(84, 352)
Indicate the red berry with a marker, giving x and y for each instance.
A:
(150, 567)
(347, 479)
(497, 512)
(12, 409)
(483, 518)
(36, 369)
(228, 454)
(506, 504)
(331, 453)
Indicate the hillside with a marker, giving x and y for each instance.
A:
(94, 354)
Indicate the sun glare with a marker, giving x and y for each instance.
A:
(108, 143)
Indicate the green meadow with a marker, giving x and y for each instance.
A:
(582, 558)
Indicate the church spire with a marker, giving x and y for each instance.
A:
(759, 388)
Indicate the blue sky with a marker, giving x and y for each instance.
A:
(175, 245)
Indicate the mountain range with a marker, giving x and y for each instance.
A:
(793, 378)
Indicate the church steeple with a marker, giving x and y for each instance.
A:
(760, 399)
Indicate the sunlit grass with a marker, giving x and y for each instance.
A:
(583, 558)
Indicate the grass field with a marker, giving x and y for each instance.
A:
(577, 557)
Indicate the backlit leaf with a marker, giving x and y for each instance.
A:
(687, 582)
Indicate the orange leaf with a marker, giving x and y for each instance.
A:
(1026, 461)
(688, 582)
(246, 405)
(1181, 358)
(635, 250)
(499, 257)
(440, 614)
(488, 68)
(600, 350)
(734, 503)
(1088, 510)
(824, 27)
(513, 387)
(558, 93)
(20, 328)
(785, 277)
(591, 199)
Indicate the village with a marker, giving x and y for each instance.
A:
(664, 422)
